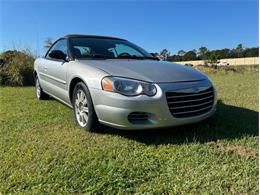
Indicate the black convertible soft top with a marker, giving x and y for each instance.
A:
(91, 36)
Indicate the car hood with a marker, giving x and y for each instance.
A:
(147, 70)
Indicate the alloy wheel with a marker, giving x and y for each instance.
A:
(81, 107)
(38, 89)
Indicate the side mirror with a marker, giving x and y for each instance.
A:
(155, 56)
(57, 54)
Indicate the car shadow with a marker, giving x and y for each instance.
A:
(229, 122)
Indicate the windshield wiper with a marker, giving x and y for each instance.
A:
(101, 56)
(98, 56)
(152, 58)
(130, 57)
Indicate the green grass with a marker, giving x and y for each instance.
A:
(43, 151)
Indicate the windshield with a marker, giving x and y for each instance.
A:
(106, 48)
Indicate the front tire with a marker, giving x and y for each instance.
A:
(39, 92)
(84, 111)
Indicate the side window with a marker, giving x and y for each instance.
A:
(60, 45)
(85, 51)
(113, 50)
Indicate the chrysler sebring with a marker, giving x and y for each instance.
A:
(115, 82)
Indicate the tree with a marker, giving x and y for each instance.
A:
(203, 52)
(239, 50)
(213, 58)
(190, 55)
(223, 53)
(164, 54)
(174, 58)
(195, 51)
(251, 52)
(48, 43)
(181, 53)
(207, 55)
(232, 53)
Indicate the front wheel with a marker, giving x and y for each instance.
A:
(84, 111)
(39, 92)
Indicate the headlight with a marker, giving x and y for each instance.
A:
(128, 87)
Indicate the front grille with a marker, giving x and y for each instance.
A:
(192, 104)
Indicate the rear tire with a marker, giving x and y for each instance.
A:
(39, 92)
(83, 107)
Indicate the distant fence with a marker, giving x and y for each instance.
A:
(231, 61)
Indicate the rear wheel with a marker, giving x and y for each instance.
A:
(39, 92)
(84, 111)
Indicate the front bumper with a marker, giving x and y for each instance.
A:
(113, 109)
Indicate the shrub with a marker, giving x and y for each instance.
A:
(16, 68)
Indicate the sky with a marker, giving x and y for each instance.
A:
(153, 25)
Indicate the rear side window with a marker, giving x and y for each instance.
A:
(59, 45)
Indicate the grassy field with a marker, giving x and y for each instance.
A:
(42, 150)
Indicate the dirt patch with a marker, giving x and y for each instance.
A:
(246, 153)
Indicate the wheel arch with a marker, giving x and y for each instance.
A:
(73, 83)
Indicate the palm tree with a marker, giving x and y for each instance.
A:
(48, 43)
(164, 54)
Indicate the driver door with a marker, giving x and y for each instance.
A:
(54, 72)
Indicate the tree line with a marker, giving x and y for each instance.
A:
(203, 53)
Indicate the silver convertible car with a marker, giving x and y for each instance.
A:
(114, 82)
